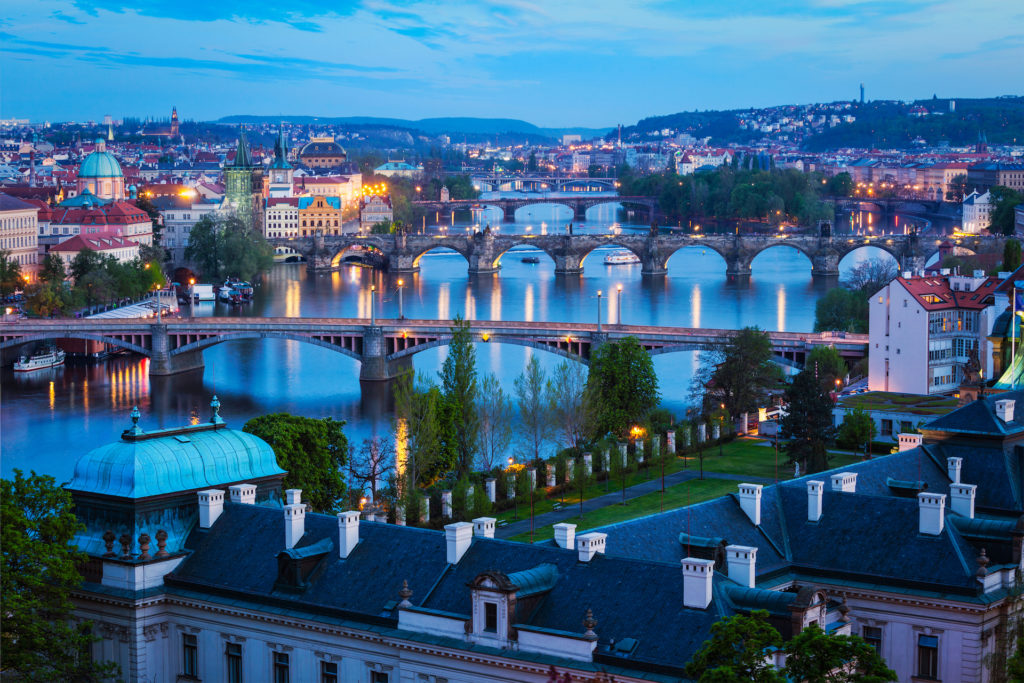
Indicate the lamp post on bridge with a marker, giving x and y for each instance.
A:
(373, 295)
(618, 304)
(599, 311)
(401, 312)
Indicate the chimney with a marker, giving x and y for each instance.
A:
(211, 504)
(697, 578)
(845, 482)
(590, 544)
(1004, 409)
(961, 499)
(750, 502)
(953, 469)
(565, 535)
(741, 561)
(458, 537)
(815, 492)
(244, 494)
(932, 512)
(294, 524)
(909, 441)
(348, 532)
(484, 526)
(293, 496)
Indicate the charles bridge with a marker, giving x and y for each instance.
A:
(401, 253)
(385, 348)
(578, 204)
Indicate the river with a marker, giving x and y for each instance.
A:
(48, 419)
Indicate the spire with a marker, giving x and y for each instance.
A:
(242, 152)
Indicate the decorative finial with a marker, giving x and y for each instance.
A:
(135, 415)
(405, 594)
(144, 541)
(589, 622)
(161, 543)
(215, 405)
(108, 540)
(982, 563)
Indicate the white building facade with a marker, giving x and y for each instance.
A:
(19, 234)
(977, 212)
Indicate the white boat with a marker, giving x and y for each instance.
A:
(622, 257)
(203, 292)
(47, 359)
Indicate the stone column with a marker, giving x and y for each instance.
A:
(702, 432)
(551, 476)
(746, 423)
(426, 509)
(446, 504)
(511, 487)
(532, 473)
(469, 497)
(622, 452)
(491, 485)
(570, 466)
(374, 367)
(670, 442)
(825, 264)
(716, 431)
(655, 446)
(400, 515)
(588, 463)
(640, 448)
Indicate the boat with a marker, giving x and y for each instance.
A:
(47, 359)
(235, 292)
(622, 257)
(531, 259)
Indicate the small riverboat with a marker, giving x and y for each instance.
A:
(622, 257)
(47, 359)
(531, 259)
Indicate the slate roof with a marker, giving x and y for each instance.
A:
(979, 417)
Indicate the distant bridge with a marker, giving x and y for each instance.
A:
(542, 183)
(509, 206)
(385, 347)
(484, 250)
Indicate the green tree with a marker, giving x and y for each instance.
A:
(10, 273)
(204, 246)
(495, 411)
(840, 185)
(741, 376)
(1005, 201)
(422, 422)
(52, 269)
(1011, 256)
(841, 310)
(829, 366)
(957, 188)
(48, 299)
(87, 261)
(808, 423)
(459, 385)
(40, 642)
(228, 247)
(531, 388)
(857, 430)
(565, 401)
(738, 651)
(313, 451)
(813, 655)
(622, 388)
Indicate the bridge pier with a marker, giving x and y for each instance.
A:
(375, 366)
(161, 362)
(402, 263)
(568, 264)
(652, 267)
(825, 264)
(737, 269)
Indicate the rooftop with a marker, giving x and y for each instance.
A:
(887, 401)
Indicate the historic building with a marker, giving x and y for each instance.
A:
(86, 214)
(19, 234)
(168, 130)
(375, 209)
(322, 152)
(400, 169)
(105, 244)
(282, 217)
(243, 186)
(279, 175)
(319, 215)
(977, 212)
(100, 173)
(179, 215)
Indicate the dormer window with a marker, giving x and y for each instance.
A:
(490, 617)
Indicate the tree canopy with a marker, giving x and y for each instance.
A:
(228, 248)
(740, 376)
(10, 273)
(808, 423)
(841, 310)
(313, 451)
(459, 386)
(622, 388)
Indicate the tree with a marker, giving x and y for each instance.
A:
(565, 399)
(40, 569)
(738, 650)
(371, 463)
(10, 273)
(869, 276)
(459, 386)
(1011, 256)
(423, 421)
(840, 185)
(957, 188)
(829, 366)
(531, 387)
(48, 299)
(312, 451)
(622, 388)
(813, 655)
(52, 269)
(495, 411)
(86, 261)
(741, 376)
(857, 430)
(1005, 201)
(228, 247)
(808, 422)
(841, 310)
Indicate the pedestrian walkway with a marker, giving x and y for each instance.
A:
(614, 497)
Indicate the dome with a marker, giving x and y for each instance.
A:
(143, 464)
(100, 164)
(322, 147)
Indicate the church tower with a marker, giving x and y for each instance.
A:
(281, 172)
(238, 188)
(174, 122)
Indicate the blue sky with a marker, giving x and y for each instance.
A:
(554, 63)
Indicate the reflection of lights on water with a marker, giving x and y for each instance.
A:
(444, 301)
(528, 303)
(496, 301)
(292, 297)
(695, 306)
(780, 321)
(470, 305)
(53, 396)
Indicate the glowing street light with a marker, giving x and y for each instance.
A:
(401, 312)
(618, 304)
(599, 311)
(373, 295)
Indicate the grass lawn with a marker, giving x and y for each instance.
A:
(680, 495)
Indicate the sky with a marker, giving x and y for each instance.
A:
(554, 62)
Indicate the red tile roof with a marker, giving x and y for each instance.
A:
(97, 242)
(935, 293)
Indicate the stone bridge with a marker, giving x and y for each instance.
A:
(509, 206)
(483, 251)
(385, 348)
(541, 183)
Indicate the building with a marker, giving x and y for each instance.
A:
(977, 212)
(86, 214)
(894, 414)
(19, 234)
(279, 176)
(340, 187)
(319, 215)
(987, 175)
(168, 130)
(922, 331)
(201, 568)
(322, 152)
(100, 173)
(936, 180)
(282, 217)
(179, 214)
(243, 185)
(375, 209)
(105, 244)
(400, 169)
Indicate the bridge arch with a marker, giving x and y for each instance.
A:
(610, 244)
(586, 183)
(783, 243)
(434, 247)
(85, 336)
(548, 201)
(478, 337)
(848, 250)
(356, 248)
(667, 253)
(234, 336)
(521, 246)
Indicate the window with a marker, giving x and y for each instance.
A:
(906, 426)
(189, 647)
(378, 677)
(233, 658)
(886, 427)
(872, 635)
(328, 672)
(490, 617)
(280, 667)
(928, 657)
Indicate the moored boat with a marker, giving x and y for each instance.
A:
(38, 361)
(622, 257)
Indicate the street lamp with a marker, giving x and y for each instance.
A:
(599, 311)
(618, 303)
(373, 294)
(401, 312)
(191, 297)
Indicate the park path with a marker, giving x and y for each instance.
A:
(613, 497)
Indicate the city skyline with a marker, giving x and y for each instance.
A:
(546, 65)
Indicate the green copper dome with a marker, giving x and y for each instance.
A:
(100, 164)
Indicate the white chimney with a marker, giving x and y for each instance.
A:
(697, 577)
(484, 526)
(961, 499)
(565, 535)
(458, 537)
(750, 501)
(741, 561)
(845, 482)
(211, 504)
(932, 513)
(1004, 409)
(348, 532)
(293, 496)
(294, 524)
(815, 492)
(244, 494)
(590, 544)
(909, 441)
(953, 469)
